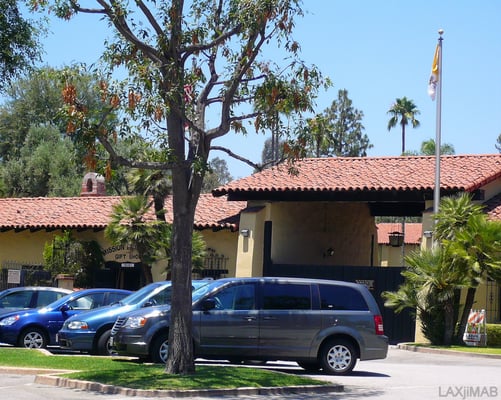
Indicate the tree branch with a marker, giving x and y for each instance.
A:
(149, 16)
(257, 167)
(78, 8)
(245, 63)
(189, 50)
(120, 23)
(118, 159)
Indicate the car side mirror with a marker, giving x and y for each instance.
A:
(208, 304)
(64, 308)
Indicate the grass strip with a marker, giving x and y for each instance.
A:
(135, 375)
(465, 349)
(206, 377)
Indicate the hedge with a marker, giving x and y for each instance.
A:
(494, 335)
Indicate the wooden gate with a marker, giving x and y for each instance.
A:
(398, 327)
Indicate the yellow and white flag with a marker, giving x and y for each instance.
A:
(432, 84)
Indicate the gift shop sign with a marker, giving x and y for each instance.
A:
(121, 254)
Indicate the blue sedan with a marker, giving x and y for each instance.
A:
(91, 331)
(37, 328)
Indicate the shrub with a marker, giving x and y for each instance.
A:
(494, 335)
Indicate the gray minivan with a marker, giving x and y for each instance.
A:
(320, 324)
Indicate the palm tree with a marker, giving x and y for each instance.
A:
(473, 243)
(479, 246)
(428, 148)
(402, 112)
(429, 287)
(154, 183)
(130, 226)
(468, 254)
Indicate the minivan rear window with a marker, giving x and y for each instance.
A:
(277, 296)
(334, 297)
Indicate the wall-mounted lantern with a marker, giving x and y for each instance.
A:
(245, 232)
(396, 239)
(329, 252)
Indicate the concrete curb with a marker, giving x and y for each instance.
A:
(33, 371)
(419, 349)
(54, 380)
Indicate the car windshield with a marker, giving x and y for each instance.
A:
(152, 289)
(142, 293)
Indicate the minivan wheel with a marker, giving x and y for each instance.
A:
(309, 366)
(33, 338)
(338, 357)
(104, 345)
(160, 349)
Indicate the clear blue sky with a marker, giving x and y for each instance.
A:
(378, 51)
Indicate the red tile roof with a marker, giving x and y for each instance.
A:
(461, 173)
(458, 172)
(493, 207)
(412, 235)
(93, 212)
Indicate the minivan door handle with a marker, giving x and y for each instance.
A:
(249, 318)
(269, 318)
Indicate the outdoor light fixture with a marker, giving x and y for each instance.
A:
(245, 232)
(428, 234)
(329, 252)
(396, 239)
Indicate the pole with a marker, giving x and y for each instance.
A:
(436, 195)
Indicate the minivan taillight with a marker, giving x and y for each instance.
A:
(378, 322)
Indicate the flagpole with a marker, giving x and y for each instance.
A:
(436, 195)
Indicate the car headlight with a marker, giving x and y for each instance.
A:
(78, 325)
(9, 320)
(135, 322)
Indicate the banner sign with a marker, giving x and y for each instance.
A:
(475, 333)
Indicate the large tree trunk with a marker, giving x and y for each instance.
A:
(180, 357)
(403, 139)
(468, 304)
(186, 187)
(449, 322)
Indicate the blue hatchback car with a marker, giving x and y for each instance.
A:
(37, 328)
(90, 331)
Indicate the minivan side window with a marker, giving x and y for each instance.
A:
(288, 296)
(335, 297)
(238, 297)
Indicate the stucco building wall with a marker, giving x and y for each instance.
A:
(24, 248)
(224, 243)
(318, 233)
(323, 233)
